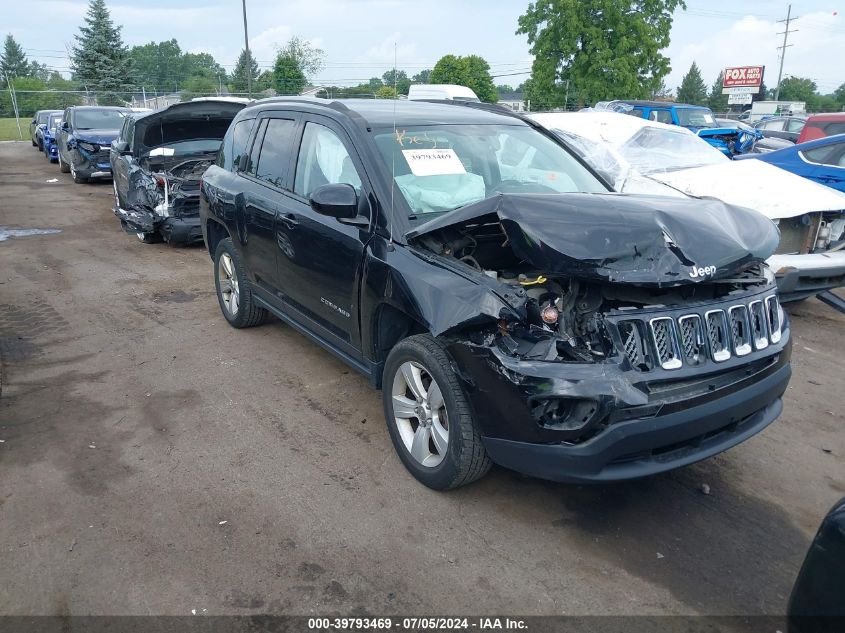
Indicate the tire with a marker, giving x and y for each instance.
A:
(79, 180)
(230, 281)
(40, 146)
(464, 459)
(34, 144)
(63, 167)
(148, 238)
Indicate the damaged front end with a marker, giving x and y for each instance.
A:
(645, 332)
(163, 198)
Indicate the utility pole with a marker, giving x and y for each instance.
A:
(248, 57)
(782, 48)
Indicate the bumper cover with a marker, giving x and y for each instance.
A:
(185, 230)
(90, 165)
(643, 447)
(801, 276)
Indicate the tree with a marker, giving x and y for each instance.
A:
(308, 58)
(471, 71)
(13, 60)
(662, 91)
(422, 76)
(288, 78)
(606, 49)
(158, 66)
(246, 65)
(504, 88)
(839, 95)
(386, 92)
(716, 100)
(693, 89)
(797, 89)
(403, 84)
(99, 59)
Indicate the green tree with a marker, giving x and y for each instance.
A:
(716, 100)
(288, 78)
(99, 59)
(158, 66)
(386, 92)
(246, 66)
(471, 71)
(13, 60)
(504, 88)
(422, 77)
(605, 48)
(693, 89)
(199, 86)
(839, 96)
(797, 89)
(309, 59)
(403, 84)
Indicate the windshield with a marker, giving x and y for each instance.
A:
(441, 168)
(654, 149)
(53, 123)
(695, 117)
(42, 117)
(98, 119)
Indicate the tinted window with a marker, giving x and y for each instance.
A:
(637, 112)
(252, 161)
(827, 155)
(323, 160)
(240, 135)
(275, 151)
(834, 128)
(772, 125)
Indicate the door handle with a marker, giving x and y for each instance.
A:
(289, 220)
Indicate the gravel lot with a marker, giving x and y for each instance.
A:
(155, 460)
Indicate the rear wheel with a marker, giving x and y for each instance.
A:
(429, 417)
(233, 293)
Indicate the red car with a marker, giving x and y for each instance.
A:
(822, 125)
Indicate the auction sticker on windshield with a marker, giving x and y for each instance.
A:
(433, 162)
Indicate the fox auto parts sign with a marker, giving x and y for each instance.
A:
(742, 79)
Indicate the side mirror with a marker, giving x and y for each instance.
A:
(34, 121)
(65, 126)
(121, 147)
(336, 200)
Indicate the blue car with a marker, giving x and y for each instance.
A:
(85, 137)
(50, 137)
(730, 140)
(822, 160)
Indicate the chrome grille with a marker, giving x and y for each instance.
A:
(666, 342)
(773, 316)
(740, 330)
(759, 325)
(692, 339)
(717, 334)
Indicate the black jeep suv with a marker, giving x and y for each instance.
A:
(510, 307)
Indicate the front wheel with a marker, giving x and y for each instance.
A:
(63, 165)
(233, 293)
(79, 180)
(429, 417)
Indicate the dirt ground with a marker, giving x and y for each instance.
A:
(155, 460)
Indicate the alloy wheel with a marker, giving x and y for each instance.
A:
(228, 283)
(420, 414)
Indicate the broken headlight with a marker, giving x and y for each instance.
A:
(88, 147)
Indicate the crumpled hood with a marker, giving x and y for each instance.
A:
(774, 192)
(100, 137)
(643, 240)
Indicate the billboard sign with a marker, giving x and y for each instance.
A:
(749, 77)
(743, 99)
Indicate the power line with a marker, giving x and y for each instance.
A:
(783, 48)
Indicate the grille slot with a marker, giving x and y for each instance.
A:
(666, 342)
(632, 341)
(773, 316)
(740, 330)
(717, 335)
(759, 324)
(692, 339)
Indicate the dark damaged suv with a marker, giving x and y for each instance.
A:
(510, 307)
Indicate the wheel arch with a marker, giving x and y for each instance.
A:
(215, 232)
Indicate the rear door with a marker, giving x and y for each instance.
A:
(264, 173)
(120, 162)
(320, 258)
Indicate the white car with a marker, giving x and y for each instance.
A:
(639, 156)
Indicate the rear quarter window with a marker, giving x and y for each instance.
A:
(234, 144)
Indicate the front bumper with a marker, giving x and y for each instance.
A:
(802, 276)
(92, 165)
(643, 447)
(182, 230)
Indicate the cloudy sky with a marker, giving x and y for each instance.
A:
(359, 36)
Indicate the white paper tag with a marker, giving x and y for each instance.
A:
(162, 151)
(433, 162)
